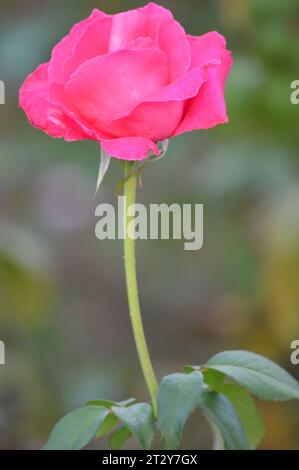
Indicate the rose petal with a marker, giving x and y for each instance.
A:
(107, 87)
(93, 41)
(159, 115)
(41, 113)
(173, 40)
(63, 50)
(152, 9)
(129, 148)
(155, 121)
(126, 27)
(184, 87)
(142, 43)
(159, 24)
(208, 108)
(206, 48)
(58, 98)
(130, 25)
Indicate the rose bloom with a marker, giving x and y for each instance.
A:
(128, 81)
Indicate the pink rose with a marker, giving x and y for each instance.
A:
(129, 81)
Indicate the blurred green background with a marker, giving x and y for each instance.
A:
(63, 308)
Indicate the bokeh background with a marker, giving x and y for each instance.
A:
(63, 308)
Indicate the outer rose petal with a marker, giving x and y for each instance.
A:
(155, 121)
(208, 108)
(108, 87)
(207, 47)
(129, 148)
(41, 113)
(173, 40)
(58, 98)
(63, 50)
(94, 41)
(184, 87)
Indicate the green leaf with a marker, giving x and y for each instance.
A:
(110, 403)
(76, 429)
(259, 375)
(139, 420)
(213, 378)
(107, 425)
(250, 418)
(218, 441)
(118, 438)
(105, 403)
(178, 395)
(219, 410)
(242, 401)
(189, 368)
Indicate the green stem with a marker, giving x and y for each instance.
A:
(132, 289)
